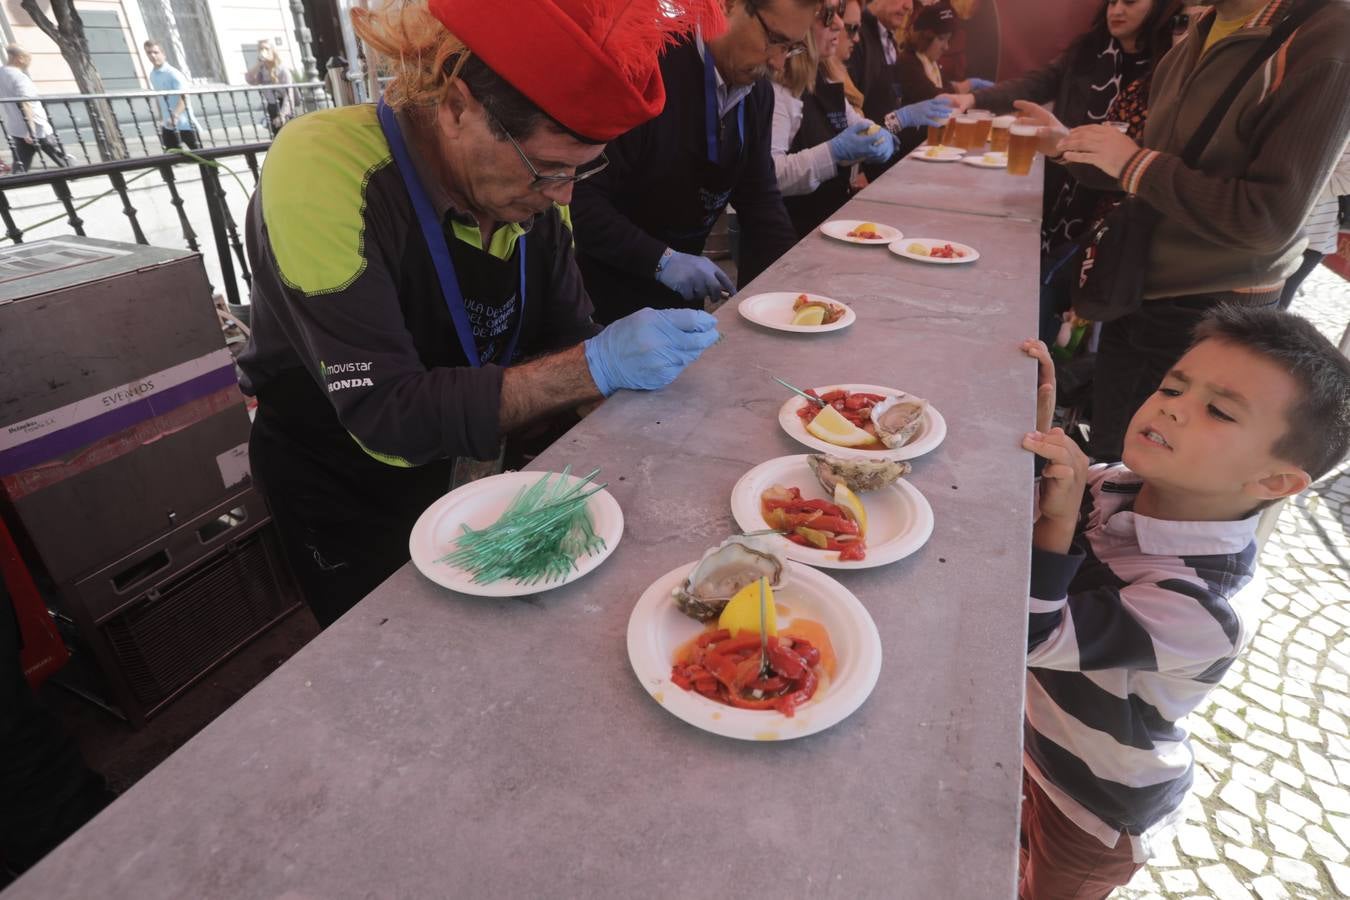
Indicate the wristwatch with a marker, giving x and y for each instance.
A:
(665, 258)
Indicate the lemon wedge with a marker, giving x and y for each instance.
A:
(742, 611)
(810, 315)
(849, 501)
(830, 426)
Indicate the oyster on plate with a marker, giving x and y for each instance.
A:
(898, 419)
(723, 571)
(859, 474)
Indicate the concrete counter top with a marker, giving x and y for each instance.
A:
(434, 744)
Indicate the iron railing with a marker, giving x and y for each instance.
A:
(230, 260)
(222, 117)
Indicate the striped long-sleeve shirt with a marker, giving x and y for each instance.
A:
(1127, 634)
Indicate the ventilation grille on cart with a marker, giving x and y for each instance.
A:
(167, 639)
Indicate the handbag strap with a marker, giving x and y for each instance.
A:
(1278, 35)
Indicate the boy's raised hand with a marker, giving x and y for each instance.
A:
(1062, 484)
(1045, 383)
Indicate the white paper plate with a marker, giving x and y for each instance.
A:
(901, 248)
(931, 432)
(839, 229)
(988, 161)
(480, 503)
(899, 519)
(774, 310)
(657, 629)
(937, 154)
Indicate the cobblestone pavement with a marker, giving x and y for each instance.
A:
(1269, 816)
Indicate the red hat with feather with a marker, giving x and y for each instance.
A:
(590, 64)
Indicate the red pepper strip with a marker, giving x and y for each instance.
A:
(852, 552)
(830, 396)
(806, 650)
(784, 661)
(856, 401)
(749, 703)
(712, 637)
(787, 705)
(835, 524)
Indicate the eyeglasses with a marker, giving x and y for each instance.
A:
(540, 181)
(828, 12)
(779, 43)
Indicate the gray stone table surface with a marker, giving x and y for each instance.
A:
(958, 187)
(434, 744)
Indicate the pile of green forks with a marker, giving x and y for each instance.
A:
(539, 538)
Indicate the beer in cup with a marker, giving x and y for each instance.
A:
(949, 133)
(984, 120)
(965, 132)
(998, 133)
(1022, 141)
(935, 132)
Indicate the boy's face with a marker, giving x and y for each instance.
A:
(1210, 428)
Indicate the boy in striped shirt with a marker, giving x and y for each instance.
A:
(1137, 604)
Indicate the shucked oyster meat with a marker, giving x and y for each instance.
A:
(860, 475)
(723, 571)
(898, 419)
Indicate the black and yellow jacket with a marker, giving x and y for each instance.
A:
(351, 335)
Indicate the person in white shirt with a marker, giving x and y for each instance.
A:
(817, 134)
(25, 118)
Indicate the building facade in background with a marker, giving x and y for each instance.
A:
(210, 41)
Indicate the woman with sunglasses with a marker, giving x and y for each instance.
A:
(1104, 76)
(817, 134)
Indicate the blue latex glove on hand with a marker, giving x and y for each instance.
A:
(855, 145)
(924, 113)
(648, 349)
(979, 84)
(694, 277)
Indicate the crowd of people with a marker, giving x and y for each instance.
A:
(515, 231)
(29, 130)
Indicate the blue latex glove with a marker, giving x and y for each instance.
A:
(853, 145)
(648, 349)
(924, 113)
(694, 277)
(979, 84)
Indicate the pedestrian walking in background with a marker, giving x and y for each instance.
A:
(25, 118)
(269, 70)
(175, 126)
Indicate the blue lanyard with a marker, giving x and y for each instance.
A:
(711, 110)
(434, 234)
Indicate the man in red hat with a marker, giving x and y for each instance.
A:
(642, 224)
(415, 296)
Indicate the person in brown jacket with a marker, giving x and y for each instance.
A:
(1231, 228)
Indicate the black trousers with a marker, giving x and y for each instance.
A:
(183, 137)
(46, 790)
(1134, 354)
(24, 153)
(1311, 259)
(342, 517)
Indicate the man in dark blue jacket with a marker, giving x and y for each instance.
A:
(641, 224)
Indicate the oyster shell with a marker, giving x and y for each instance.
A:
(859, 474)
(723, 571)
(898, 419)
